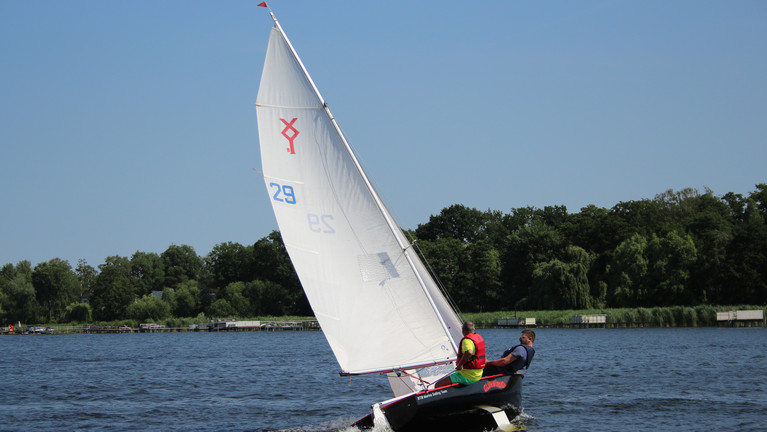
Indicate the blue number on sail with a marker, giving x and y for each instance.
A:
(283, 193)
(321, 224)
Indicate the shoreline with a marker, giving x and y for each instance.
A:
(740, 316)
(69, 330)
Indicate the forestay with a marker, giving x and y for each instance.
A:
(378, 307)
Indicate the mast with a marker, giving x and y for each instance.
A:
(371, 189)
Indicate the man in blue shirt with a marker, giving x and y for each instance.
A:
(513, 359)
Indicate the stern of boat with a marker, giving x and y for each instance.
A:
(490, 403)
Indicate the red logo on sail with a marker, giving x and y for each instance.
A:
(290, 138)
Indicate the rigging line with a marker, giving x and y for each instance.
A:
(434, 276)
(415, 377)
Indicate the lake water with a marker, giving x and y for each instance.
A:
(581, 380)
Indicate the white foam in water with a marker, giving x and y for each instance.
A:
(380, 424)
(521, 420)
(522, 417)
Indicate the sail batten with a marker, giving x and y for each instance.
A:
(290, 107)
(377, 305)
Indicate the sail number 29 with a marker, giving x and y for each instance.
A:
(283, 193)
(321, 223)
(317, 223)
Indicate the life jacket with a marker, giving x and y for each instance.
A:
(519, 362)
(478, 359)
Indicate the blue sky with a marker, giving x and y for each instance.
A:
(131, 126)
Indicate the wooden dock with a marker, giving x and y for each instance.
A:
(741, 318)
(517, 322)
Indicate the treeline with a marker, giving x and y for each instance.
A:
(232, 280)
(681, 248)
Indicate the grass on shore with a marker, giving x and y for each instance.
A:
(668, 316)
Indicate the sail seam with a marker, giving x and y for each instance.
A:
(315, 108)
(271, 177)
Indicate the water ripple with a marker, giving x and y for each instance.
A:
(679, 380)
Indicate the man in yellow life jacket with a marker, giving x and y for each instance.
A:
(471, 359)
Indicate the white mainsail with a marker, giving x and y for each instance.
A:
(377, 305)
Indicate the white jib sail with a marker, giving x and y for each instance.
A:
(378, 307)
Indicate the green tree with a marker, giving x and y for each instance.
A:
(670, 259)
(236, 296)
(627, 274)
(7, 273)
(221, 309)
(481, 272)
(86, 275)
(595, 230)
(273, 264)
(759, 197)
(148, 308)
(18, 293)
(147, 272)
(643, 217)
(445, 256)
(230, 262)
(496, 229)
(709, 221)
(181, 264)
(269, 298)
(555, 216)
(746, 263)
(562, 284)
(528, 246)
(458, 222)
(185, 301)
(678, 206)
(79, 312)
(3, 304)
(56, 286)
(113, 290)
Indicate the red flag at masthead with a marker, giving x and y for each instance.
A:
(262, 4)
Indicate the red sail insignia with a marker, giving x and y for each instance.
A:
(290, 138)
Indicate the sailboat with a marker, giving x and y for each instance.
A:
(378, 306)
